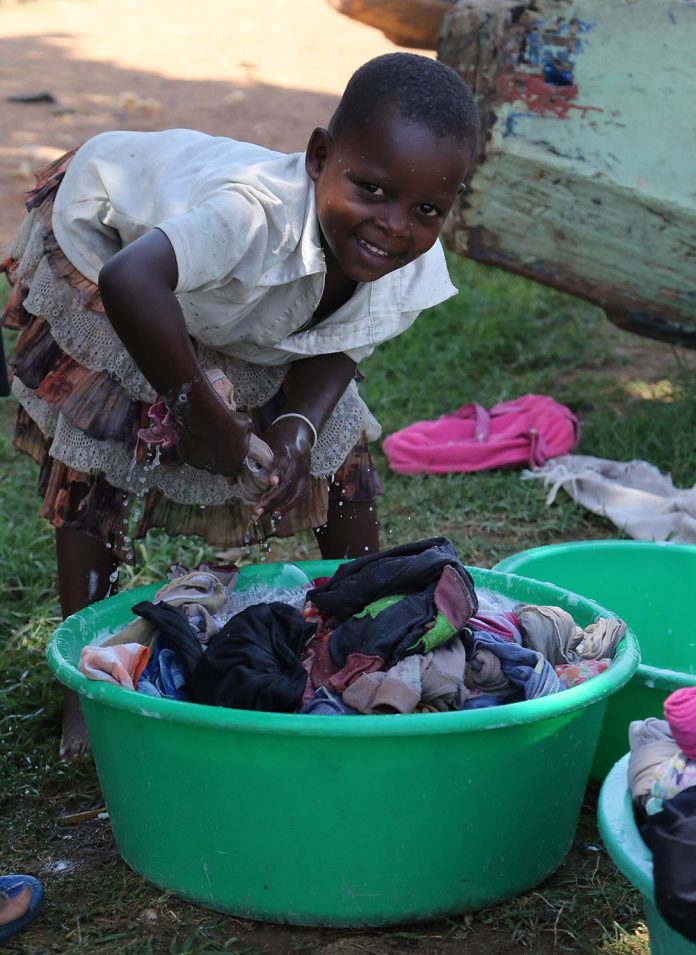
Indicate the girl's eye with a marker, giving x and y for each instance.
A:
(427, 210)
(372, 189)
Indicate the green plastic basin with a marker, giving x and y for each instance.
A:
(649, 585)
(632, 857)
(341, 820)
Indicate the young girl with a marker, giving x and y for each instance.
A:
(151, 264)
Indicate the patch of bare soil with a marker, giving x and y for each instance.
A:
(265, 72)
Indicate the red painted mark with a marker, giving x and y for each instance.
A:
(544, 99)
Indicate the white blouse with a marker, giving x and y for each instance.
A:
(242, 222)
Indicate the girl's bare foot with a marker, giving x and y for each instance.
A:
(74, 741)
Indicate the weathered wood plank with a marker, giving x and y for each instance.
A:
(587, 174)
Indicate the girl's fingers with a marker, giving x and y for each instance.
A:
(272, 499)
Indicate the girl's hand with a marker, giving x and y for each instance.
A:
(217, 441)
(291, 442)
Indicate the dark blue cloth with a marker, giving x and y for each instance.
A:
(163, 675)
(391, 635)
(326, 703)
(526, 669)
(482, 701)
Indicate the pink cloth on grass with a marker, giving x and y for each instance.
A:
(524, 432)
(680, 713)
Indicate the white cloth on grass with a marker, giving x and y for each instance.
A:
(634, 495)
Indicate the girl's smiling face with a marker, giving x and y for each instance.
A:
(383, 192)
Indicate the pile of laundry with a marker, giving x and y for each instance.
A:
(401, 631)
(662, 780)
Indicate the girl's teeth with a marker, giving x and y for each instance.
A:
(372, 248)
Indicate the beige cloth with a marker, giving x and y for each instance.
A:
(551, 631)
(486, 673)
(633, 495)
(652, 744)
(600, 639)
(253, 479)
(198, 587)
(442, 676)
(434, 681)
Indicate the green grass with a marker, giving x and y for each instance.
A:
(498, 338)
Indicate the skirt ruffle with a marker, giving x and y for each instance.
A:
(83, 401)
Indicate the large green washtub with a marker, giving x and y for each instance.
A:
(649, 585)
(633, 858)
(342, 821)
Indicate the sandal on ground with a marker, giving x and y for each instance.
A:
(10, 887)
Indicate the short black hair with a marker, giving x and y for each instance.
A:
(421, 90)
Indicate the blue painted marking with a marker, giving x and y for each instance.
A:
(557, 77)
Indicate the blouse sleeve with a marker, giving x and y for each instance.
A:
(229, 236)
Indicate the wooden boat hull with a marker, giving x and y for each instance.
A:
(411, 23)
(586, 179)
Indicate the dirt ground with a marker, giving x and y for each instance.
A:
(267, 72)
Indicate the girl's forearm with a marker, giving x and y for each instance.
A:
(314, 385)
(136, 287)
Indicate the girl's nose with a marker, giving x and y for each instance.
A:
(395, 220)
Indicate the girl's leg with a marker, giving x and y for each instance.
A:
(86, 573)
(351, 529)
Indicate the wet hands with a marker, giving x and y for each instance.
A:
(217, 441)
(291, 441)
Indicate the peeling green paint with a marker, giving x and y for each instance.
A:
(587, 183)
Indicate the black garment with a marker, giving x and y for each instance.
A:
(174, 632)
(671, 835)
(406, 569)
(411, 569)
(253, 663)
(391, 635)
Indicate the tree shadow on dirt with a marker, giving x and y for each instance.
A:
(90, 96)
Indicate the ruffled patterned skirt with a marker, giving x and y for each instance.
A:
(83, 401)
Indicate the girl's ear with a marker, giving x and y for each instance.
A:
(318, 149)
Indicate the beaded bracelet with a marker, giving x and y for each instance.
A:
(296, 414)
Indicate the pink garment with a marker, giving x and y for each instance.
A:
(504, 624)
(163, 429)
(524, 432)
(164, 432)
(680, 713)
(573, 674)
(122, 664)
